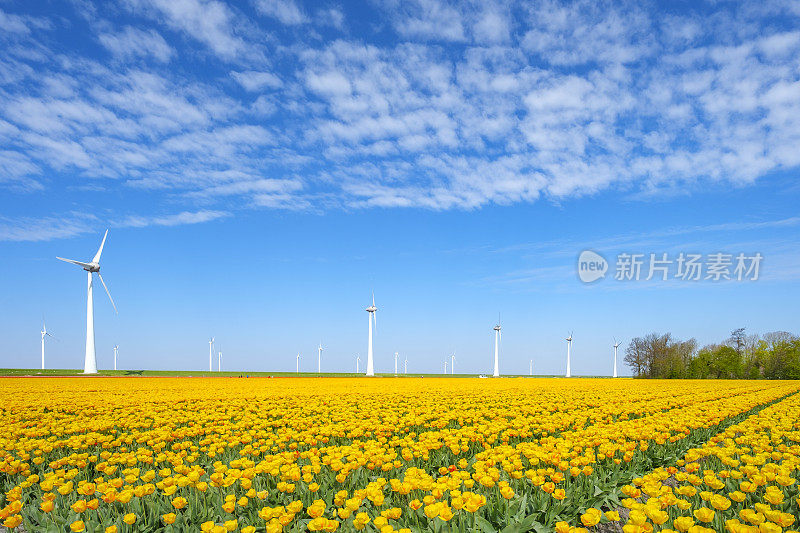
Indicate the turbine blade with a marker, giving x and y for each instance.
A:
(373, 298)
(100, 250)
(79, 263)
(109, 294)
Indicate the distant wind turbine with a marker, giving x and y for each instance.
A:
(569, 346)
(530, 368)
(219, 360)
(395, 362)
(616, 345)
(44, 334)
(453, 363)
(210, 354)
(405, 367)
(319, 359)
(358, 360)
(90, 359)
(371, 317)
(116, 347)
(497, 337)
(445, 367)
(298, 362)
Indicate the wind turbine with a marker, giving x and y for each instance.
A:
(569, 346)
(44, 334)
(497, 336)
(219, 360)
(616, 345)
(453, 363)
(530, 368)
(90, 359)
(395, 362)
(319, 359)
(445, 367)
(358, 360)
(298, 362)
(405, 367)
(210, 353)
(116, 347)
(371, 317)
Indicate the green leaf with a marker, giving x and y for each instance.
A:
(485, 525)
(520, 527)
(539, 527)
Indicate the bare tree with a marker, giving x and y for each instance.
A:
(737, 340)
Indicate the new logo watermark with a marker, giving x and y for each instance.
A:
(716, 266)
(591, 266)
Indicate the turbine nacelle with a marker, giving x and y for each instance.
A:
(371, 309)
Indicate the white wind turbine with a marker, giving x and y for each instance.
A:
(116, 347)
(44, 334)
(530, 368)
(210, 354)
(569, 346)
(395, 362)
(358, 361)
(319, 359)
(371, 317)
(405, 367)
(298, 362)
(616, 345)
(445, 367)
(219, 360)
(497, 336)
(90, 359)
(453, 363)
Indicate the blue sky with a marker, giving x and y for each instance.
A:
(263, 165)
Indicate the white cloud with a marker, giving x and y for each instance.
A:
(492, 26)
(178, 219)
(209, 21)
(567, 99)
(254, 81)
(19, 24)
(132, 43)
(428, 20)
(43, 229)
(286, 11)
(331, 16)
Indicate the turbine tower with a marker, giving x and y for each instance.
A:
(405, 367)
(219, 361)
(116, 347)
(453, 363)
(358, 360)
(616, 345)
(445, 367)
(497, 336)
(371, 318)
(90, 359)
(210, 354)
(569, 346)
(298, 362)
(44, 334)
(395, 362)
(530, 368)
(319, 359)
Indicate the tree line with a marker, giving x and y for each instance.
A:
(774, 355)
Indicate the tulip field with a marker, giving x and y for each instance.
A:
(435, 455)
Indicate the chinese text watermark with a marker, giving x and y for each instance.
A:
(717, 266)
